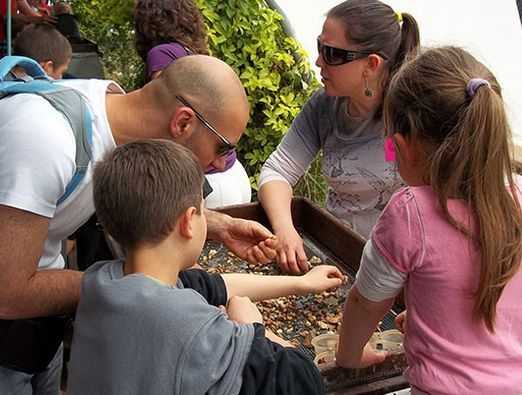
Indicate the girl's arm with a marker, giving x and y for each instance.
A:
(360, 318)
(259, 287)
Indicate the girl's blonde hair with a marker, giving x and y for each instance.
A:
(466, 137)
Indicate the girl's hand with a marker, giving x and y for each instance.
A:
(400, 322)
(368, 357)
(243, 311)
(322, 278)
(291, 255)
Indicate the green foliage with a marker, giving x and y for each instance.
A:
(249, 36)
(273, 67)
(109, 24)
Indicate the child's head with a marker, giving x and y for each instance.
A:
(47, 46)
(150, 190)
(61, 8)
(446, 115)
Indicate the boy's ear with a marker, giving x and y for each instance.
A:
(48, 66)
(185, 223)
(182, 123)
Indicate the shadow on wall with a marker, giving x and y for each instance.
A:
(519, 5)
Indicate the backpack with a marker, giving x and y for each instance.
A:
(29, 345)
(66, 100)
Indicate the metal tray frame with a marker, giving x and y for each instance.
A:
(345, 247)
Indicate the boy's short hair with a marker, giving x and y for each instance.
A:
(141, 188)
(43, 43)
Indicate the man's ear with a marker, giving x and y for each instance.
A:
(185, 223)
(48, 66)
(182, 123)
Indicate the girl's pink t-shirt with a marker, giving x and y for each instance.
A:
(448, 351)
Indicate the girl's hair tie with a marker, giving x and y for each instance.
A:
(474, 84)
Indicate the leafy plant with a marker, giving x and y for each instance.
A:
(109, 24)
(249, 36)
(273, 67)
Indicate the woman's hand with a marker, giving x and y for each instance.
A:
(290, 254)
(322, 278)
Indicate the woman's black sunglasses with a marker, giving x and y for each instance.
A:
(337, 56)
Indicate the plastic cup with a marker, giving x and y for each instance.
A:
(324, 357)
(391, 341)
(325, 342)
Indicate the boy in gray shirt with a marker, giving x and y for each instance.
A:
(145, 326)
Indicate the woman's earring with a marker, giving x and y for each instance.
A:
(367, 91)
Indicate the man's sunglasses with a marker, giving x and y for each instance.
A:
(337, 56)
(226, 146)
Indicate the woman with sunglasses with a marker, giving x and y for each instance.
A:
(362, 44)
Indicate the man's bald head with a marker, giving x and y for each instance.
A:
(206, 82)
(210, 87)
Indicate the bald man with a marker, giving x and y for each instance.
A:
(198, 102)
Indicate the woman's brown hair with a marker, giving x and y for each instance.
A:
(164, 21)
(374, 27)
(466, 136)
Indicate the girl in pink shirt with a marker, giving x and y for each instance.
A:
(452, 238)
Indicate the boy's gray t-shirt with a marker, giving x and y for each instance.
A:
(360, 180)
(134, 335)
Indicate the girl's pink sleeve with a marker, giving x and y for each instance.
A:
(399, 234)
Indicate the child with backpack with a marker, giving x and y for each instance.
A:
(452, 237)
(145, 324)
(46, 45)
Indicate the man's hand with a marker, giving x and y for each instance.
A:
(322, 278)
(240, 309)
(248, 240)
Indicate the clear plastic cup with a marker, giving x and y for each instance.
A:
(391, 341)
(325, 342)
(324, 357)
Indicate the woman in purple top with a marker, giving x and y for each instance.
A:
(165, 31)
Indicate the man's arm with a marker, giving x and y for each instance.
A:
(24, 291)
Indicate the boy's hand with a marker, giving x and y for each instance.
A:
(243, 311)
(368, 357)
(276, 339)
(322, 278)
(400, 322)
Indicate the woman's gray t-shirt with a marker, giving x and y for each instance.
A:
(359, 178)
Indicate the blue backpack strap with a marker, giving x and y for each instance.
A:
(30, 66)
(65, 100)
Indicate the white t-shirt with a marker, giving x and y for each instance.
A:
(37, 161)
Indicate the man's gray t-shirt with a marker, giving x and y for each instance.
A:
(360, 180)
(134, 335)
